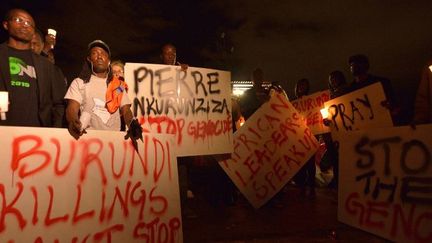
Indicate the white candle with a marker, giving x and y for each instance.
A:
(324, 113)
(4, 104)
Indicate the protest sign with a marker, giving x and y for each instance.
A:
(385, 182)
(194, 105)
(309, 107)
(359, 110)
(269, 149)
(97, 189)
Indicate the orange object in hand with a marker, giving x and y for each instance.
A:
(116, 89)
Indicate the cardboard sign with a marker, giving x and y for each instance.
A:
(309, 107)
(194, 105)
(269, 149)
(97, 189)
(385, 182)
(360, 109)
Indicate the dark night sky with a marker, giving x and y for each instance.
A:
(288, 39)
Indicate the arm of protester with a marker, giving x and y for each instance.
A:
(134, 128)
(74, 124)
(126, 113)
(183, 67)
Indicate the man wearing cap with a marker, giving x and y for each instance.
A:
(34, 87)
(93, 103)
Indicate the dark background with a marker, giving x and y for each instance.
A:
(289, 40)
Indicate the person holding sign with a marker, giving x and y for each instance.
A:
(423, 103)
(169, 56)
(337, 84)
(98, 97)
(306, 175)
(34, 87)
(253, 98)
(359, 67)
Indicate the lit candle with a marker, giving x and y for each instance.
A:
(324, 113)
(4, 104)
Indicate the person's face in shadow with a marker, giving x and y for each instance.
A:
(336, 81)
(358, 68)
(169, 55)
(302, 88)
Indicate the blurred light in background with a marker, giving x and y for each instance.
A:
(239, 87)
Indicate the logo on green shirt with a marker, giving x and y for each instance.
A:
(17, 70)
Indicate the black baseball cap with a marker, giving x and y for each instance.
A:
(100, 44)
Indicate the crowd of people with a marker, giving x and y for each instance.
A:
(96, 99)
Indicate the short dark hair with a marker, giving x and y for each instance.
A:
(169, 44)
(39, 32)
(359, 58)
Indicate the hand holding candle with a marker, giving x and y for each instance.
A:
(51, 37)
(324, 114)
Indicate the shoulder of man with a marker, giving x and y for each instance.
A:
(78, 80)
(3, 46)
(42, 60)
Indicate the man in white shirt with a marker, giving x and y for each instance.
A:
(90, 93)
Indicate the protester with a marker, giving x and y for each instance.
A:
(49, 44)
(98, 95)
(35, 88)
(253, 98)
(337, 84)
(423, 102)
(169, 56)
(37, 45)
(359, 67)
(306, 175)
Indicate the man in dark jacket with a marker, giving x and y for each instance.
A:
(359, 67)
(253, 98)
(35, 89)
